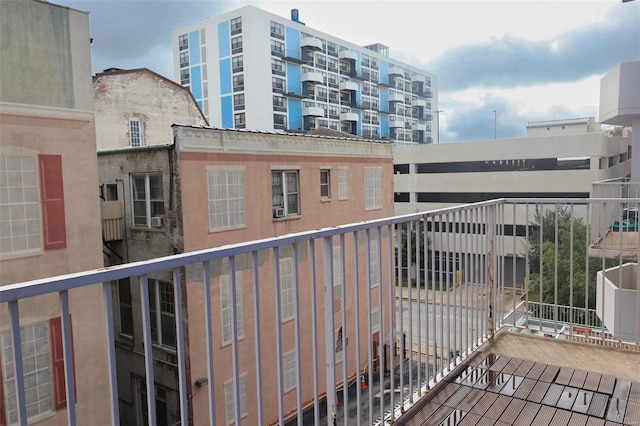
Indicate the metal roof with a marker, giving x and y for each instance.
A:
(565, 122)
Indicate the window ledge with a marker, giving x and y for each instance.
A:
(325, 200)
(226, 228)
(283, 219)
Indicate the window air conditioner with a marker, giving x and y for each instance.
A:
(157, 221)
(278, 212)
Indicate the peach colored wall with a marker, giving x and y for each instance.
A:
(260, 224)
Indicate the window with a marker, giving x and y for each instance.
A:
(183, 42)
(238, 101)
(325, 184)
(236, 45)
(22, 230)
(226, 199)
(285, 193)
(287, 290)
(162, 313)
(124, 302)
(230, 399)
(135, 133)
(226, 305)
(277, 48)
(278, 104)
(184, 59)
(279, 121)
(239, 121)
(290, 371)
(238, 82)
(236, 25)
(343, 184)
(43, 370)
(277, 67)
(277, 30)
(185, 77)
(237, 63)
(277, 84)
(374, 258)
(148, 200)
(372, 188)
(162, 412)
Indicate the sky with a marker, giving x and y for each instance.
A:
(500, 64)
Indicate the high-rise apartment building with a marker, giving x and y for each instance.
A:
(256, 70)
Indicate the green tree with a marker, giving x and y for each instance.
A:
(569, 246)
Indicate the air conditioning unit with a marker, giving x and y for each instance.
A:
(278, 212)
(157, 221)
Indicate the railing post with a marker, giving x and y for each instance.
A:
(491, 268)
(329, 344)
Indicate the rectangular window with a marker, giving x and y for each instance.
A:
(279, 104)
(279, 121)
(226, 199)
(277, 30)
(126, 313)
(239, 121)
(135, 133)
(162, 313)
(237, 63)
(277, 67)
(238, 101)
(285, 193)
(183, 42)
(277, 48)
(343, 184)
(230, 399)
(325, 184)
(238, 83)
(236, 45)
(148, 200)
(235, 25)
(277, 85)
(372, 188)
(287, 290)
(226, 304)
(290, 371)
(184, 59)
(185, 78)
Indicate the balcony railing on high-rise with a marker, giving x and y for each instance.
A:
(352, 322)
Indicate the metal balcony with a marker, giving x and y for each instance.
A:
(312, 77)
(350, 86)
(396, 97)
(348, 116)
(395, 70)
(311, 43)
(393, 123)
(348, 55)
(394, 310)
(112, 221)
(313, 111)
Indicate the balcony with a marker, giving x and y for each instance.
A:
(395, 70)
(349, 86)
(112, 221)
(311, 43)
(313, 111)
(438, 311)
(396, 97)
(394, 123)
(419, 126)
(418, 103)
(348, 116)
(312, 77)
(348, 55)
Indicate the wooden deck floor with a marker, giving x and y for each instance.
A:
(530, 380)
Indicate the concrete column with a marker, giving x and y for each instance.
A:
(635, 150)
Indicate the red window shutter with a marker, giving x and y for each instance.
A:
(57, 359)
(52, 194)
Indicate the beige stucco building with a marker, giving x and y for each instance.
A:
(49, 209)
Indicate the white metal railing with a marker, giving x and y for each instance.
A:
(409, 295)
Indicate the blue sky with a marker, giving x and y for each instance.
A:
(527, 60)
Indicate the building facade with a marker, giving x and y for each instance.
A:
(255, 70)
(224, 187)
(49, 211)
(563, 164)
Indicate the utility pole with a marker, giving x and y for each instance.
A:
(495, 124)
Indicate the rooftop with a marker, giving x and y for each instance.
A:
(564, 122)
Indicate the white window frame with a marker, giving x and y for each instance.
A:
(287, 290)
(20, 235)
(35, 339)
(230, 399)
(183, 42)
(226, 311)
(372, 188)
(136, 134)
(343, 183)
(164, 307)
(285, 192)
(226, 196)
(147, 198)
(290, 371)
(326, 185)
